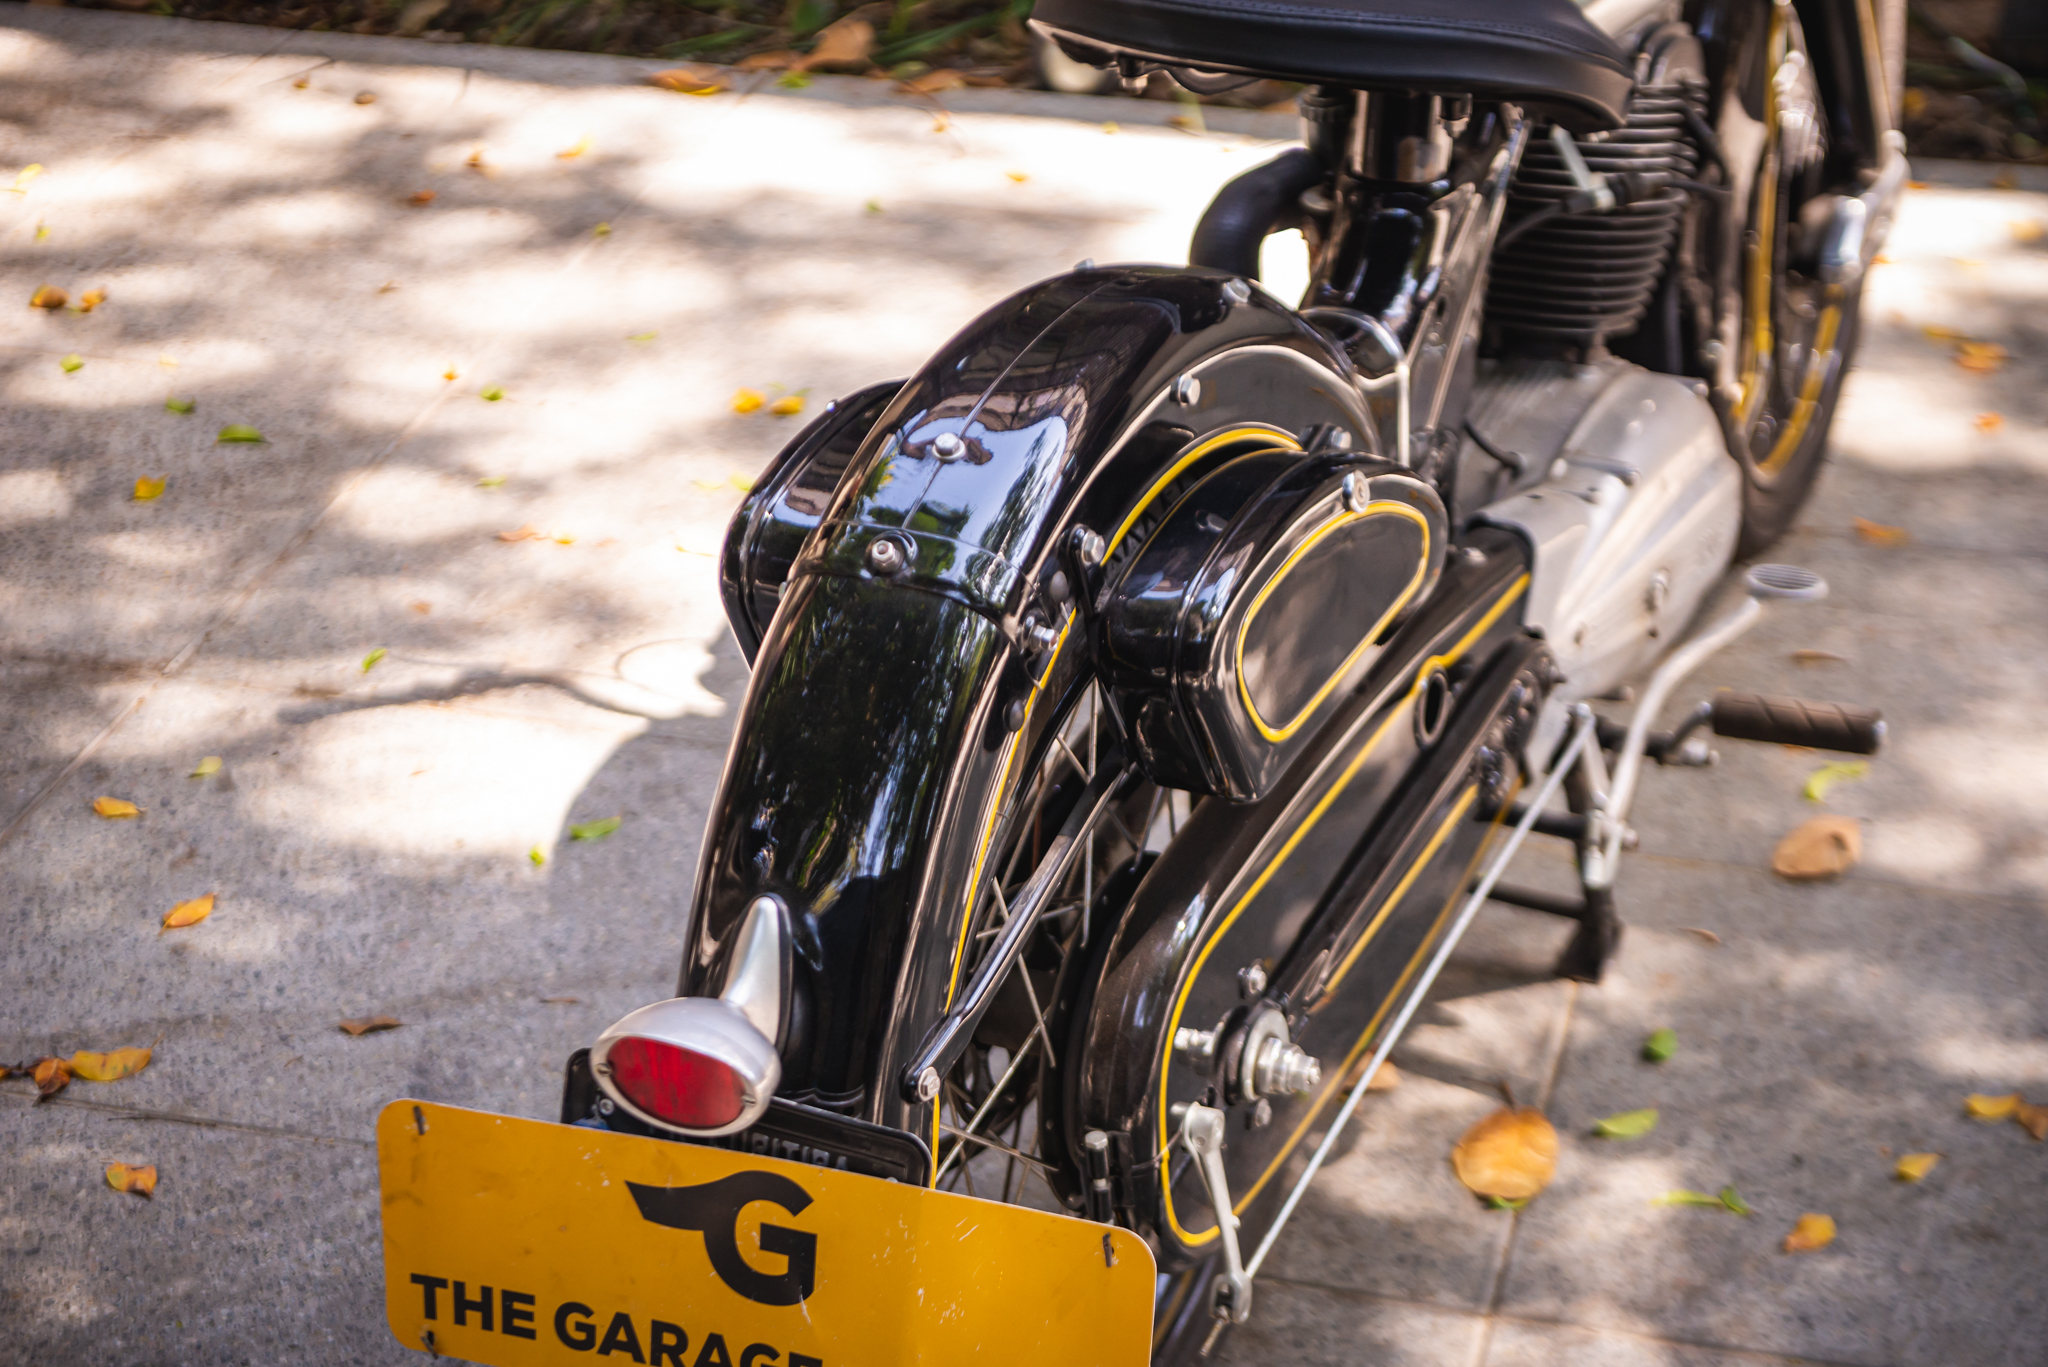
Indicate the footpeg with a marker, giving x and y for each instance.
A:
(1202, 1132)
(1791, 721)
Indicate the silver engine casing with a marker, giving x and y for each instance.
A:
(1633, 518)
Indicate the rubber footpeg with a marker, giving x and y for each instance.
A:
(1793, 721)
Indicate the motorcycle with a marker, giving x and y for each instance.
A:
(1148, 692)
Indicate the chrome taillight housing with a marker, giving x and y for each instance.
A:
(705, 1065)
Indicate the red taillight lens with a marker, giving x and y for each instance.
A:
(676, 1085)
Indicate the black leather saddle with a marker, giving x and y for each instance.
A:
(1541, 53)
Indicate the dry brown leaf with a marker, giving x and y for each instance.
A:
(1817, 657)
(115, 807)
(420, 198)
(1981, 1106)
(529, 532)
(690, 80)
(1812, 1231)
(52, 1076)
(91, 300)
(421, 606)
(932, 82)
(1819, 847)
(369, 1025)
(366, 97)
(1511, 1154)
(2033, 1119)
(1878, 534)
(111, 1066)
(1981, 358)
(1707, 935)
(1912, 1167)
(1988, 423)
(844, 43)
(189, 913)
(1385, 1078)
(140, 1180)
(48, 297)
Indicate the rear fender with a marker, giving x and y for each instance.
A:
(871, 755)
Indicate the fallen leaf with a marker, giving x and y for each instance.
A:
(42, 232)
(1385, 1078)
(2005, 180)
(748, 400)
(147, 488)
(844, 43)
(933, 82)
(1988, 423)
(874, 206)
(689, 80)
(1502, 1203)
(421, 606)
(1878, 534)
(1627, 1124)
(643, 336)
(1819, 847)
(536, 857)
(238, 432)
(561, 1001)
(491, 482)
(451, 374)
(48, 297)
(602, 230)
(529, 532)
(570, 154)
(1732, 1199)
(741, 483)
(370, 1025)
(52, 1076)
(1914, 1166)
(1816, 657)
(140, 1180)
(1109, 128)
(793, 80)
(475, 162)
(1511, 1154)
(24, 176)
(1828, 775)
(1707, 935)
(1688, 1198)
(1661, 1044)
(787, 406)
(563, 539)
(491, 393)
(2029, 230)
(115, 807)
(366, 97)
(1980, 1106)
(1018, 176)
(189, 913)
(1981, 358)
(209, 765)
(180, 406)
(387, 287)
(91, 300)
(2033, 1119)
(595, 830)
(110, 1066)
(72, 364)
(419, 199)
(1811, 1232)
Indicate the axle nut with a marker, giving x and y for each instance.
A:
(886, 556)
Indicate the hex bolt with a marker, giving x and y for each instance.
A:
(1251, 980)
(927, 1084)
(1357, 492)
(1237, 292)
(948, 446)
(886, 557)
(1088, 545)
(1187, 391)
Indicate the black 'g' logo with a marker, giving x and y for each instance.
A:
(714, 1208)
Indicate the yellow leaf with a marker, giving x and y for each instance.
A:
(1511, 1154)
(689, 80)
(25, 175)
(602, 230)
(72, 364)
(370, 660)
(52, 1076)
(1979, 1106)
(491, 393)
(115, 807)
(786, 406)
(1914, 1166)
(536, 857)
(1980, 358)
(740, 482)
(1878, 534)
(563, 539)
(209, 765)
(1018, 176)
(572, 153)
(189, 913)
(1828, 775)
(147, 488)
(2029, 230)
(111, 1066)
(42, 232)
(48, 297)
(1811, 1232)
(370, 1025)
(491, 482)
(91, 300)
(1109, 128)
(2033, 1119)
(1385, 1078)
(748, 400)
(1819, 847)
(451, 374)
(140, 1180)
(643, 336)
(1988, 423)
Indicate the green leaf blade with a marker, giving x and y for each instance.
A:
(1661, 1045)
(595, 830)
(1627, 1124)
(238, 432)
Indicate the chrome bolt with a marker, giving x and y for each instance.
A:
(1357, 492)
(1198, 1045)
(927, 1084)
(1251, 980)
(885, 556)
(1187, 391)
(1089, 545)
(948, 446)
(604, 1105)
(1261, 1115)
(1237, 292)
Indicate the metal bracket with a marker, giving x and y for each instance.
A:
(1202, 1132)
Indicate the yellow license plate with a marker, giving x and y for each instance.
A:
(513, 1242)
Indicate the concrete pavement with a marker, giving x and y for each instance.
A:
(255, 228)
